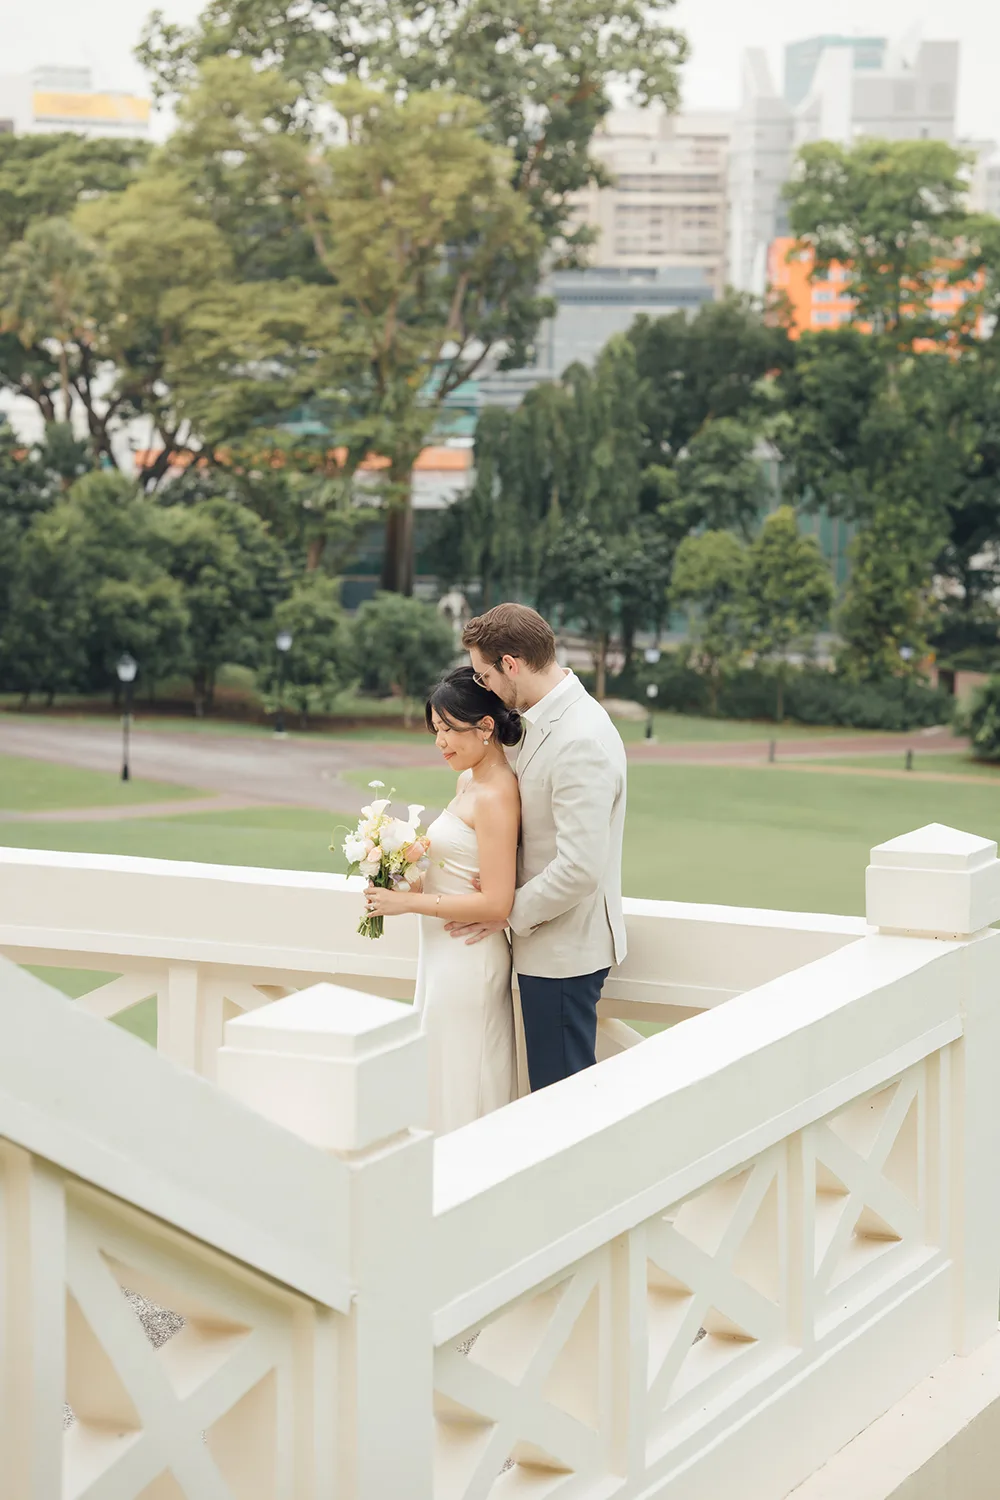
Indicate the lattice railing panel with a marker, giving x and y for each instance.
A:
(225, 1407)
(612, 1366)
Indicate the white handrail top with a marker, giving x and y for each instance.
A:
(536, 1129)
(180, 869)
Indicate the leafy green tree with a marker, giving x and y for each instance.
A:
(232, 574)
(695, 370)
(46, 176)
(425, 240)
(581, 574)
(720, 478)
(888, 608)
(710, 576)
(54, 290)
(319, 664)
(459, 284)
(894, 213)
(980, 720)
(144, 615)
(788, 594)
(401, 645)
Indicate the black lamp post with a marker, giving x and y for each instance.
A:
(651, 656)
(126, 667)
(283, 641)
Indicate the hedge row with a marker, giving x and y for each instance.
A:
(812, 696)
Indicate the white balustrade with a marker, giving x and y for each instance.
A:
(701, 1268)
(211, 941)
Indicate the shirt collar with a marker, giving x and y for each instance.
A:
(530, 715)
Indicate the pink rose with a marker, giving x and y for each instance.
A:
(414, 853)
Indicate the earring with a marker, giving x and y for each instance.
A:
(486, 740)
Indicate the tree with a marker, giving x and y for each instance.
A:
(695, 370)
(887, 610)
(573, 448)
(720, 478)
(232, 574)
(401, 645)
(980, 720)
(46, 176)
(709, 575)
(788, 594)
(540, 76)
(424, 239)
(54, 290)
(581, 573)
(318, 664)
(893, 213)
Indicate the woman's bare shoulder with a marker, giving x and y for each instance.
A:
(501, 793)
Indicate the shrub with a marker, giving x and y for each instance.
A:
(812, 696)
(980, 720)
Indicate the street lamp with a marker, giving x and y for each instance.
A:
(651, 656)
(283, 641)
(652, 692)
(126, 667)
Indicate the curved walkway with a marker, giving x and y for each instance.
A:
(243, 771)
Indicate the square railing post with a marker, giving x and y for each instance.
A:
(348, 1072)
(940, 884)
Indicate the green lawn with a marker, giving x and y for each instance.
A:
(955, 763)
(756, 837)
(674, 729)
(37, 786)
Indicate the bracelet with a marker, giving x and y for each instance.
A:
(437, 903)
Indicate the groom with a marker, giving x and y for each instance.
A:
(566, 921)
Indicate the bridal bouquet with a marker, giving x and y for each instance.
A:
(390, 852)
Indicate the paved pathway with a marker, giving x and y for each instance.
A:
(244, 771)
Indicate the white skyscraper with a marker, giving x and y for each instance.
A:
(837, 89)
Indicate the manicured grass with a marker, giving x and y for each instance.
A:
(947, 763)
(756, 837)
(275, 838)
(672, 729)
(37, 786)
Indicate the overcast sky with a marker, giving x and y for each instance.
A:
(102, 34)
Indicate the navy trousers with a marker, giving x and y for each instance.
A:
(560, 1024)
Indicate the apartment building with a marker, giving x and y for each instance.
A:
(664, 206)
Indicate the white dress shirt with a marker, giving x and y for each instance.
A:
(529, 715)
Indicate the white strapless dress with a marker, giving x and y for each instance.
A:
(464, 994)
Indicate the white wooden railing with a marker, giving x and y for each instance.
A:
(700, 1268)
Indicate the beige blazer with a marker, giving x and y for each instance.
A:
(567, 914)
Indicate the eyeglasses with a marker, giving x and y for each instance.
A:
(480, 678)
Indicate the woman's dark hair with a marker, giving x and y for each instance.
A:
(460, 700)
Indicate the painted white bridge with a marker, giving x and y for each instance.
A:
(757, 1253)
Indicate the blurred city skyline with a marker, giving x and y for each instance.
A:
(102, 36)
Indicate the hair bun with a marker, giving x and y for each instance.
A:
(509, 726)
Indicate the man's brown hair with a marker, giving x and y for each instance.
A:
(512, 630)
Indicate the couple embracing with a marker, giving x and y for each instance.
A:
(531, 844)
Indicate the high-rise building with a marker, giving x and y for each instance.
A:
(802, 59)
(838, 89)
(56, 99)
(664, 206)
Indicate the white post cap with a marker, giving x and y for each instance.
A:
(340, 1068)
(936, 881)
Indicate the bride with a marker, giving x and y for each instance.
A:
(464, 991)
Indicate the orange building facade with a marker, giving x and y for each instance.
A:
(825, 302)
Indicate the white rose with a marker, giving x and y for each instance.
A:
(369, 868)
(354, 850)
(412, 875)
